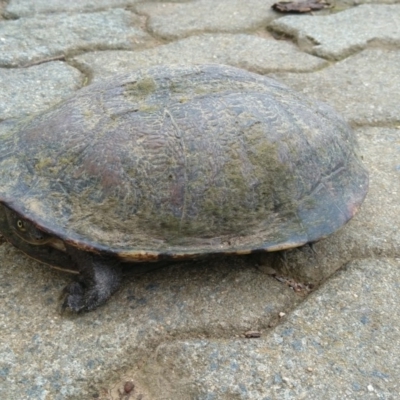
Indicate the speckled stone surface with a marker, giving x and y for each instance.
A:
(339, 344)
(30, 90)
(30, 40)
(44, 353)
(24, 8)
(178, 332)
(172, 21)
(354, 29)
(254, 53)
(370, 98)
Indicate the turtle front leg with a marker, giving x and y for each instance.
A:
(99, 278)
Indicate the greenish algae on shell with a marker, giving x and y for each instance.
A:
(183, 161)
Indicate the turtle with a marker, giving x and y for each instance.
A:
(174, 162)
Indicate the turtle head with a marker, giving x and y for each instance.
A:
(26, 230)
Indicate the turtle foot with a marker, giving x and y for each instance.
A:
(95, 286)
(78, 298)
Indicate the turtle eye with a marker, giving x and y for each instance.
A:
(20, 225)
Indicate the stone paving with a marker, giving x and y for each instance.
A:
(179, 332)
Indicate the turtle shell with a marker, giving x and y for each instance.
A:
(184, 160)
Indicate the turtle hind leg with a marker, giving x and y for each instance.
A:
(99, 278)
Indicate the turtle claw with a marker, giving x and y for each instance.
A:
(73, 297)
(79, 298)
(308, 248)
(312, 248)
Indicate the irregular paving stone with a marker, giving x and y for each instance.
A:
(23, 8)
(47, 355)
(373, 232)
(353, 30)
(29, 40)
(364, 87)
(171, 21)
(339, 344)
(246, 51)
(30, 90)
(353, 3)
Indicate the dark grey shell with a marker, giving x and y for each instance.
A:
(183, 161)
